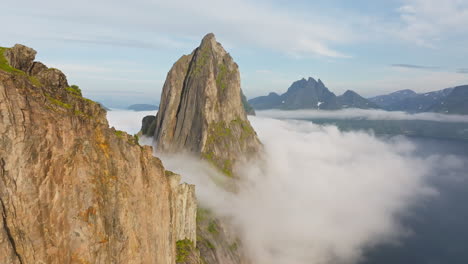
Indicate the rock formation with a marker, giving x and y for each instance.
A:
(73, 190)
(201, 109)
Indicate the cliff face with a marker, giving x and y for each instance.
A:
(201, 109)
(73, 190)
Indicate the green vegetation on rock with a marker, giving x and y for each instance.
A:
(74, 89)
(223, 72)
(119, 133)
(203, 56)
(213, 227)
(58, 102)
(184, 248)
(4, 63)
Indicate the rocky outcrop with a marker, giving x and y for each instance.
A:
(148, 125)
(20, 57)
(184, 209)
(73, 190)
(201, 109)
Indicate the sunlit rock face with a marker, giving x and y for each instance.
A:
(201, 109)
(73, 190)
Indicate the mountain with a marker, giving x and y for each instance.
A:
(142, 107)
(351, 99)
(456, 102)
(201, 109)
(73, 190)
(310, 94)
(272, 100)
(202, 112)
(393, 100)
(409, 101)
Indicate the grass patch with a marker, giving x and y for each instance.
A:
(35, 81)
(183, 248)
(234, 246)
(221, 77)
(58, 102)
(213, 227)
(119, 133)
(202, 214)
(74, 89)
(4, 63)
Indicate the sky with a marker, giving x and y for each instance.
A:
(119, 52)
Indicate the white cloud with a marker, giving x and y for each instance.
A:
(318, 195)
(426, 21)
(143, 23)
(361, 114)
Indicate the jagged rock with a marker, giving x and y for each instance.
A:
(20, 57)
(73, 190)
(184, 209)
(37, 67)
(53, 79)
(148, 125)
(201, 109)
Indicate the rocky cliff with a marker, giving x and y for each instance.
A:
(73, 190)
(201, 109)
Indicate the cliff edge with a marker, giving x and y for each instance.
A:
(73, 190)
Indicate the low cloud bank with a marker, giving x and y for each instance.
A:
(318, 195)
(361, 114)
(128, 121)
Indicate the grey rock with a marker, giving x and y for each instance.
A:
(201, 109)
(36, 68)
(148, 125)
(53, 79)
(20, 57)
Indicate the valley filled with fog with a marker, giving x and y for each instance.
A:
(325, 191)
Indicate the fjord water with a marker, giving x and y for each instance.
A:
(438, 227)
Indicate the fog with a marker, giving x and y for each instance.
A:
(128, 121)
(361, 114)
(318, 195)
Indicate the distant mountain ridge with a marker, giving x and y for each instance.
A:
(311, 94)
(142, 107)
(450, 100)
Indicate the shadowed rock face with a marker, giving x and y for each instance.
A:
(73, 190)
(201, 109)
(20, 57)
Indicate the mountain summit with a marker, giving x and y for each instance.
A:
(311, 94)
(201, 108)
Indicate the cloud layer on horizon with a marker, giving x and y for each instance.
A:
(361, 114)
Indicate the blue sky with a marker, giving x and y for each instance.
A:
(119, 52)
